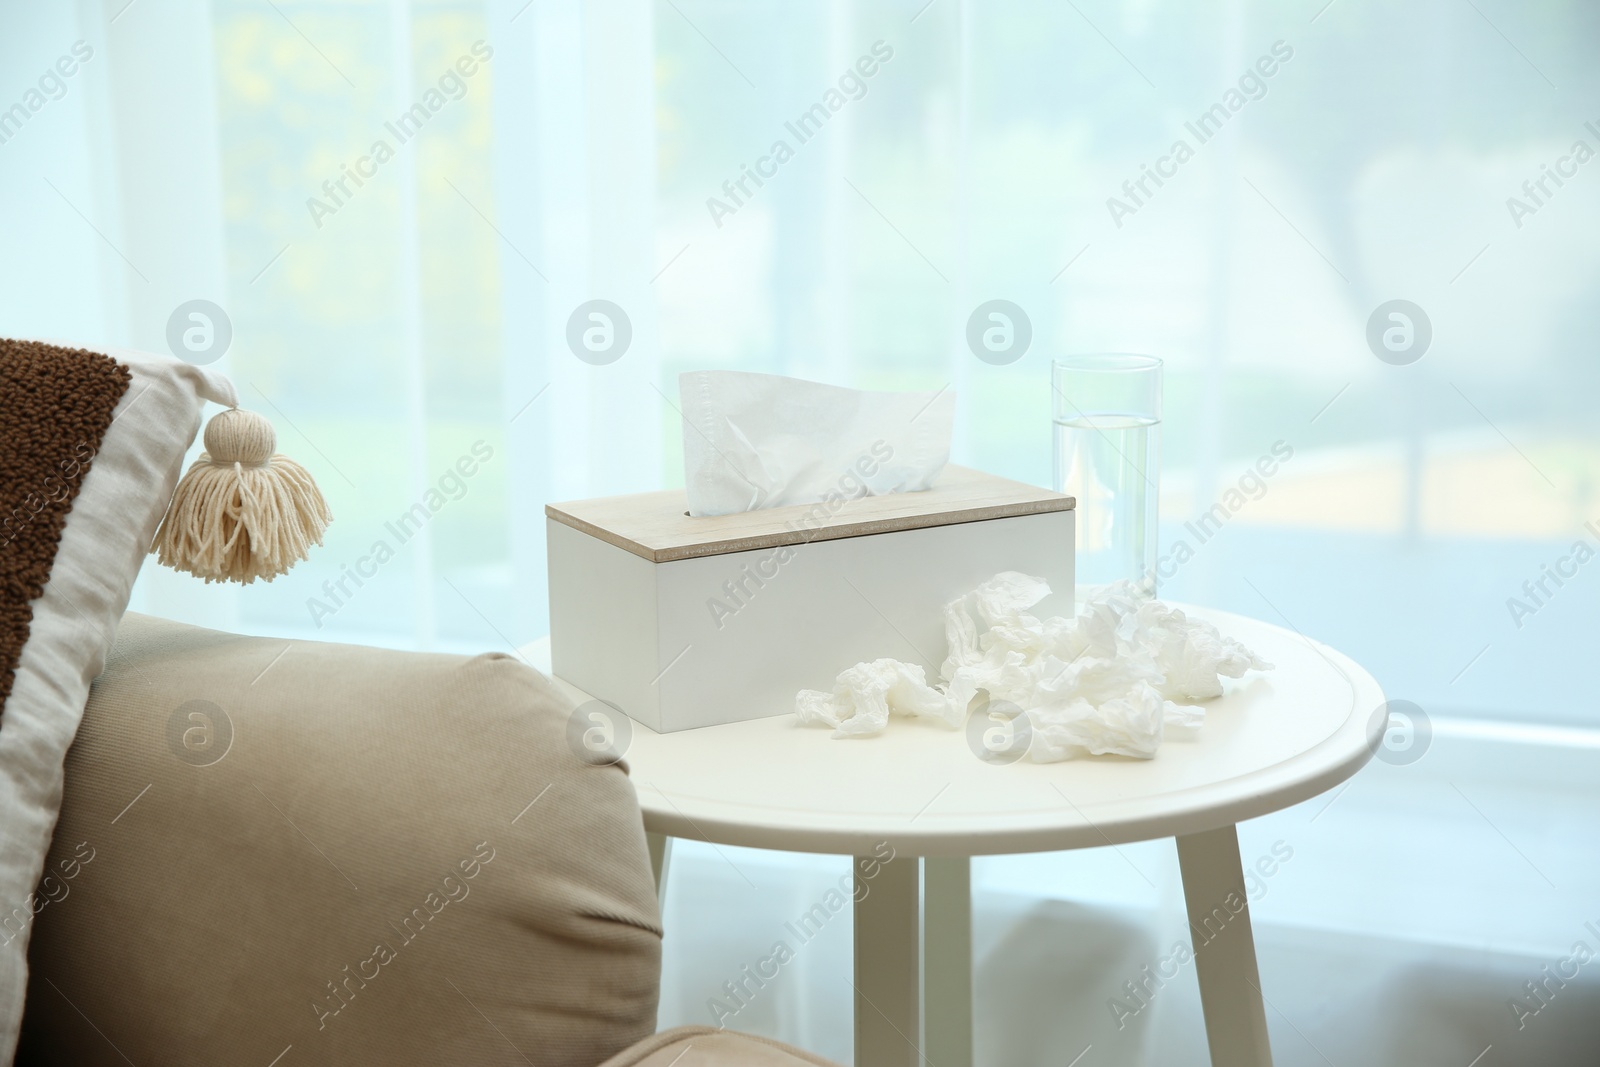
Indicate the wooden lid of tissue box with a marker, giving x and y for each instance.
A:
(658, 527)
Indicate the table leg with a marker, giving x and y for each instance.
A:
(660, 857)
(888, 963)
(1225, 950)
(947, 960)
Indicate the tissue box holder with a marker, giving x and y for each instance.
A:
(686, 622)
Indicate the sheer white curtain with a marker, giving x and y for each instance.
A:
(574, 180)
(432, 310)
(114, 196)
(161, 178)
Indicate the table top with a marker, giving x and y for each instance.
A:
(1271, 740)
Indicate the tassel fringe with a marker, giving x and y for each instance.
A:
(241, 512)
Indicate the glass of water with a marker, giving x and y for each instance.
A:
(1107, 413)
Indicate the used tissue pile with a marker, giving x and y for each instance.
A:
(1102, 683)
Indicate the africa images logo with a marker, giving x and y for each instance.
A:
(52, 86)
(852, 85)
(1252, 86)
(451, 85)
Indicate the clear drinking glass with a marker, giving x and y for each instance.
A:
(1107, 413)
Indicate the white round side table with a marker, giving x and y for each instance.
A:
(919, 791)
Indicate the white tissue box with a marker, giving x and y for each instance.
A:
(686, 622)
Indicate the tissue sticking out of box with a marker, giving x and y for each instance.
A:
(1105, 682)
(763, 441)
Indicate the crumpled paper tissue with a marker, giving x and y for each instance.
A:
(764, 441)
(1105, 682)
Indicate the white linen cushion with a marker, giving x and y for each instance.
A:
(108, 531)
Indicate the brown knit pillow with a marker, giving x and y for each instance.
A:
(91, 445)
(57, 405)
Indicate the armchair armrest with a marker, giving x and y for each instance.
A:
(371, 856)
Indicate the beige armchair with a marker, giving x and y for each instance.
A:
(291, 853)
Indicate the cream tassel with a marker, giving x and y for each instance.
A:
(242, 512)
